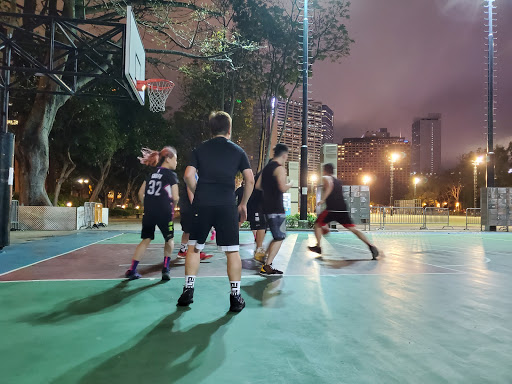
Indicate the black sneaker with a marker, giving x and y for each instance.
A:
(186, 298)
(131, 275)
(316, 249)
(166, 274)
(237, 303)
(267, 270)
(374, 251)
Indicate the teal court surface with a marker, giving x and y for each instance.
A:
(435, 308)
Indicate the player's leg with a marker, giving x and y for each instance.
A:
(186, 222)
(277, 225)
(147, 234)
(373, 249)
(321, 222)
(228, 240)
(258, 225)
(201, 224)
(167, 228)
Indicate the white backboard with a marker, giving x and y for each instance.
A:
(135, 56)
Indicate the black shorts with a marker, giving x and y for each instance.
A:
(224, 218)
(163, 220)
(257, 221)
(343, 218)
(277, 224)
(186, 217)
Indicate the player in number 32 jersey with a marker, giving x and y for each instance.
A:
(160, 197)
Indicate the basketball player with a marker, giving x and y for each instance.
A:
(256, 219)
(160, 195)
(335, 210)
(186, 215)
(217, 161)
(273, 184)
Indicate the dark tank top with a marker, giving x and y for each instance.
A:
(335, 200)
(272, 195)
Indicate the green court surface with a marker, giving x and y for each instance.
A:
(435, 308)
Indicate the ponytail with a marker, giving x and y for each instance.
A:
(155, 158)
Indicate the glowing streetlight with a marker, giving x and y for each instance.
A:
(81, 181)
(476, 163)
(367, 179)
(69, 204)
(313, 178)
(415, 181)
(394, 157)
(86, 181)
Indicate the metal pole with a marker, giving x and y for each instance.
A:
(490, 97)
(414, 191)
(304, 147)
(391, 171)
(475, 182)
(6, 154)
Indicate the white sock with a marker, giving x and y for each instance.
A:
(235, 287)
(189, 281)
(183, 247)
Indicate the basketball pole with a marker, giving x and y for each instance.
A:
(6, 154)
(304, 147)
(490, 95)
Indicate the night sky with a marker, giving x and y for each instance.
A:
(412, 57)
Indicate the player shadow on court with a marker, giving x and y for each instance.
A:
(251, 265)
(329, 263)
(167, 353)
(268, 291)
(91, 304)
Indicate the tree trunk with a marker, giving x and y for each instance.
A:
(64, 174)
(105, 169)
(32, 149)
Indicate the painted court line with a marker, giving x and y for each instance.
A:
(62, 254)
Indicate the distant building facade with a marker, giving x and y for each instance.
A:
(292, 134)
(327, 125)
(426, 144)
(370, 155)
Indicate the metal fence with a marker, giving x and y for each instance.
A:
(47, 218)
(423, 217)
(473, 217)
(15, 219)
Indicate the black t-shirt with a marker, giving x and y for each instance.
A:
(158, 194)
(272, 195)
(335, 200)
(217, 162)
(254, 205)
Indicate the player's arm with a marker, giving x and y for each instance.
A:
(190, 178)
(326, 190)
(248, 188)
(190, 195)
(175, 194)
(142, 189)
(280, 175)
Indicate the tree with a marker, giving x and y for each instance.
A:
(179, 26)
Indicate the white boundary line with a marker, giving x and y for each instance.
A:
(244, 277)
(53, 257)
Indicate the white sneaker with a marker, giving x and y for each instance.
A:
(259, 255)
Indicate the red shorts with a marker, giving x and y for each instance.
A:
(343, 218)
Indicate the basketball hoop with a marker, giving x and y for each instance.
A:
(158, 91)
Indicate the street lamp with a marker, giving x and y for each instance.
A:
(476, 163)
(415, 181)
(393, 158)
(367, 179)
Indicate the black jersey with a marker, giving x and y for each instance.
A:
(158, 193)
(272, 195)
(335, 200)
(256, 200)
(217, 162)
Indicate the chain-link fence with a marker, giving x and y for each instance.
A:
(15, 220)
(47, 218)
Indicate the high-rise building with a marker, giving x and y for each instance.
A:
(370, 155)
(292, 134)
(426, 144)
(327, 125)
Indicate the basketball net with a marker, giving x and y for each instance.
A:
(158, 92)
